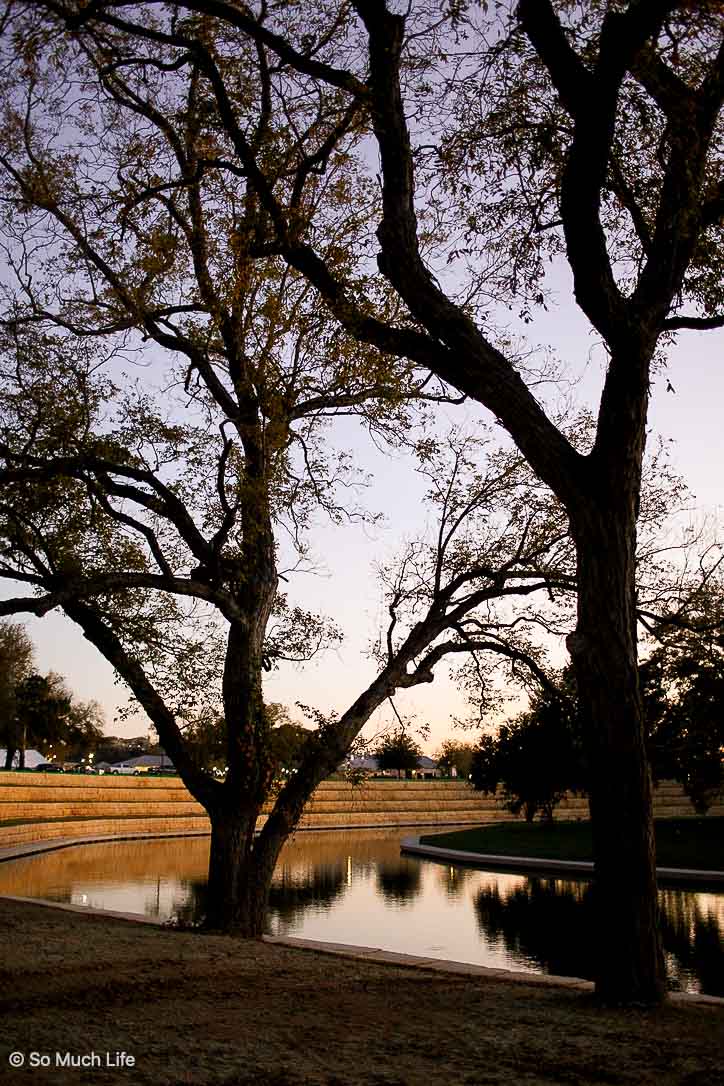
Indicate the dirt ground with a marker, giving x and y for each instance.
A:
(206, 1010)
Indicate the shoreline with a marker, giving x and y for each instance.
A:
(375, 955)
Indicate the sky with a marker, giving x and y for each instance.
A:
(345, 586)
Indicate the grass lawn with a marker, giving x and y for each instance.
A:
(680, 842)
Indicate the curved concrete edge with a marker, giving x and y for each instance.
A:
(443, 965)
(375, 954)
(582, 868)
(413, 846)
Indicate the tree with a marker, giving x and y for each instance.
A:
(42, 709)
(536, 757)
(683, 692)
(455, 755)
(16, 657)
(207, 741)
(207, 737)
(110, 505)
(287, 739)
(397, 751)
(113, 748)
(592, 132)
(82, 730)
(50, 718)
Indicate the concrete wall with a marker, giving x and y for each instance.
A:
(161, 805)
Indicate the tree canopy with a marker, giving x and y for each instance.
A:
(683, 692)
(37, 710)
(541, 753)
(155, 511)
(397, 751)
(16, 661)
(456, 755)
(536, 758)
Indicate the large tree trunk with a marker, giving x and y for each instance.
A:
(239, 873)
(239, 878)
(630, 966)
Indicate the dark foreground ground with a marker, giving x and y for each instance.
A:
(210, 1010)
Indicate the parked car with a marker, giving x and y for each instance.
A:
(49, 767)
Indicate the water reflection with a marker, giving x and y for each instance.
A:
(542, 921)
(692, 929)
(293, 893)
(549, 922)
(399, 883)
(354, 887)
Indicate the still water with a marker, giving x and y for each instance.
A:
(355, 887)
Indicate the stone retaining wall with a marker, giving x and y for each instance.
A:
(161, 805)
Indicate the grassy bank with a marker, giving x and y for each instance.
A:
(214, 1011)
(680, 842)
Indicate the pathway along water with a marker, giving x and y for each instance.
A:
(354, 887)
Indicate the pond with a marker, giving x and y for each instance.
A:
(355, 887)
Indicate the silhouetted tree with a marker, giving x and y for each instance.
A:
(536, 758)
(16, 658)
(397, 751)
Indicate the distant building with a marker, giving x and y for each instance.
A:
(142, 762)
(33, 758)
(153, 761)
(426, 767)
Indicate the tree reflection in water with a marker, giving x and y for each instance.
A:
(371, 895)
(399, 882)
(453, 880)
(549, 923)
(541, 922)
(692, 941)
(291, 895)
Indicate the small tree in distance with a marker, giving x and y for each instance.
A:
(16, 660)
(397, 751)
(453, 754)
